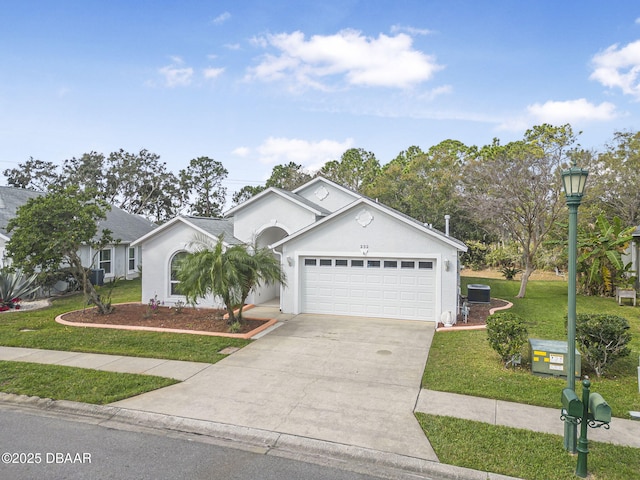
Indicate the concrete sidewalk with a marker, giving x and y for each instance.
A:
(111, 363)
(518, 415)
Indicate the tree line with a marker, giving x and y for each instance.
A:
(509, 195)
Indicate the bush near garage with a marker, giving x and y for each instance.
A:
(507, 335)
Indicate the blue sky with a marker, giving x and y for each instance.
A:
(254, 84)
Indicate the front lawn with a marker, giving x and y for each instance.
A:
(463, 362)
(76, 384)
(38, 329)
(522, 453)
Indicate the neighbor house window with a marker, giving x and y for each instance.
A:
(407, 264)
(341, 262)
(310, 262)
(325, 262)
(357, 263)
(131, 259)
(174, 282)
(373, 263)
(106, 259)
(390, 264)
(427, 265)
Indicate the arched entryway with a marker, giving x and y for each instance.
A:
(267, 293)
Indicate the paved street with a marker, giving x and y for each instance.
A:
(48, 446)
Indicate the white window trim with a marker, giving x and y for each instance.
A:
(170, 281)
(135, 259)
(111, 261)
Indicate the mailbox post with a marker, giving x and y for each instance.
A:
(592, 412)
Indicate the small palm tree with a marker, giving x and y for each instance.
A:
(227, 271)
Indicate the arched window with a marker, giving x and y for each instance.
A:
(174, 287)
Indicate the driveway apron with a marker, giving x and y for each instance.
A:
(353, 381)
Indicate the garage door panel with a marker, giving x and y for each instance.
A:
(371, 290)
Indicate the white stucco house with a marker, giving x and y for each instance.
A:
(119, 260)
(342, 254)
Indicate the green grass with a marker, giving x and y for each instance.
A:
(76, 384)
(462, 361)
(522, 453)
(38, 329)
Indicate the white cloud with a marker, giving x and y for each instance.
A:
(176, 76)
(638, 20)
(232, 46)
(571, 111)
(619, 67)
(385, 61)
(410, 30)
(211, 73)
(311, 155)
(558, 113)
(220, 19)
(241, 151)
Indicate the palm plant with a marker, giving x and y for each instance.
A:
(227, 271)
(600, 265)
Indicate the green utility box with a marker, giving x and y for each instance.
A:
(549, 358)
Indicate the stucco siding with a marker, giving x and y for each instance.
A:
(157, 253)
(270, 211)
(383, 237)
(327, 196)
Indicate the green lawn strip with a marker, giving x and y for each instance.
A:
(521, 453)
(76, 384)
(463, 362)
(38, 329)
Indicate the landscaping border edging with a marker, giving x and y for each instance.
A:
(268, 323)
(476, 327)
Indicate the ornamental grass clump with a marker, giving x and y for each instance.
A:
(507, 335)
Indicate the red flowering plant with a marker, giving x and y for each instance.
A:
(13, 286)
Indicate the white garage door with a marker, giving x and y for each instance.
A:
(385, 287)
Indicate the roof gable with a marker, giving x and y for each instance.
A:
(435, 234)
(208, 226)
(289, 196)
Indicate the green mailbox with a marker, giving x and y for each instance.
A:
(599, 408)
(571, 403)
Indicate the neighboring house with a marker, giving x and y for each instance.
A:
(342, 254)
(121, 260)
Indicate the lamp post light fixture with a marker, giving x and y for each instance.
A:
(573, 180)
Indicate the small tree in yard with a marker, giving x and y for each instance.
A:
(49, 230)
(602, 339)
(507, 335)
(227, 271)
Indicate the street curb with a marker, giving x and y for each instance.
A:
(272, 443)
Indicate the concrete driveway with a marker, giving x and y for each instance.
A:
(353, 381)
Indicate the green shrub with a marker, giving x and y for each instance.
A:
(507, 335)
(602, 339)
(509, 272)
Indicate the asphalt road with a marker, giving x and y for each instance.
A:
(49, 446)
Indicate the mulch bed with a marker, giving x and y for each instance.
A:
(478, 313)
(139, 315)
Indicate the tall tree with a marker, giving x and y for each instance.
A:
(356, 169)
(33, 174)
(245, 193)
(201, 184)
(288, 177)
(141, 184)
(426, 185)
(516, 188)
(614, 178)
(49, 230)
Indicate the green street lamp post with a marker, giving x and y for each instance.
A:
(573, 180)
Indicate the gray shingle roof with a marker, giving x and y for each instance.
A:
(125, 226)
(215, 227)
(10, 200)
